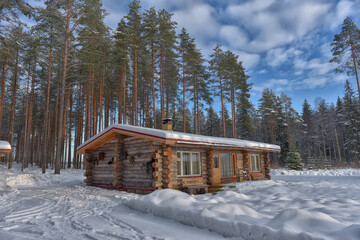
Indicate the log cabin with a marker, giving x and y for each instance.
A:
(141, 160)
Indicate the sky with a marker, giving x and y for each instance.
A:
(283, 44)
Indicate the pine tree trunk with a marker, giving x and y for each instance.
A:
(24, 162)
(46, 112)
(222, 107)
(29, 147)
(233, 111)
(124, 95)
(60, 140)
(12, 113)
(184, 117)
(198, 112)
(120, 81)
(135, 102)
(5, 68)
(87, 108)
(162, 80)
(101, 96)
(70, 122)
(153, 83)
(195, 114)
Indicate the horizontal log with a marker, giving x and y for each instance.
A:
(155, 155)
(157, 184)
(157, 174)
(166, 171)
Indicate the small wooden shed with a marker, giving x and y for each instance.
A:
(141, 160)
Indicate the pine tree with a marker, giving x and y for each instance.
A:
(168, 62)
(351, 123)
(217, 65)
(346, 49)
(212, 126)
(134, 21)
(150, 34)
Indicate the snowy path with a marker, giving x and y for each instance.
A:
(71, 211)
(314, 205)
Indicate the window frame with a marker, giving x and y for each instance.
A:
(234, 163)
(191, 165)
(257, 162)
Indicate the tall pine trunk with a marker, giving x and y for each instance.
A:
(222, 107)
(153, 83)
(60, 140)
(184, 117)
(13, 102)
(5, 68)
(46, 112)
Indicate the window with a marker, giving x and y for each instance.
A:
(216, 161)
(255, 163)
(188, 163)
(226, 162)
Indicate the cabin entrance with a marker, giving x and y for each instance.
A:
(224, 166)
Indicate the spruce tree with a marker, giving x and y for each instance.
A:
(293, 159)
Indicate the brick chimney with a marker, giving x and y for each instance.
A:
(167, 124)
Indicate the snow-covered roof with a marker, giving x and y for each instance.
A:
(5, 147)
(171, 137)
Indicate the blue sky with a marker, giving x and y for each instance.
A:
(284, 44)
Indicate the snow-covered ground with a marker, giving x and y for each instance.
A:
(293, 205)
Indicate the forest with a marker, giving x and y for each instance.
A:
(69, 76)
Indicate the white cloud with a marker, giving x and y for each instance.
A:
(343, 9)
(311, 83)
(234, 36)
(275, 84)
(249, 59)
(275, 23)
(198, 20)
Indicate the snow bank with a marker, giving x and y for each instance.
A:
(22, 180)
(227, 215)
(262, 210)
(32, 177)
(320, 172)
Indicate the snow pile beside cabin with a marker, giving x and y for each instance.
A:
(289, 207)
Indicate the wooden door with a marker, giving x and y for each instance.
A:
(216, 170)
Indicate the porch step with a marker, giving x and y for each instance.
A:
(218, 187)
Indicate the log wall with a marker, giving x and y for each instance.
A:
(142, 166)
(102, 172)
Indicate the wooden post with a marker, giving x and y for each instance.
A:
(169, 168)
(210, 166)
(158, 173)
(246, 158)
(267, 165)
(89, 165)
